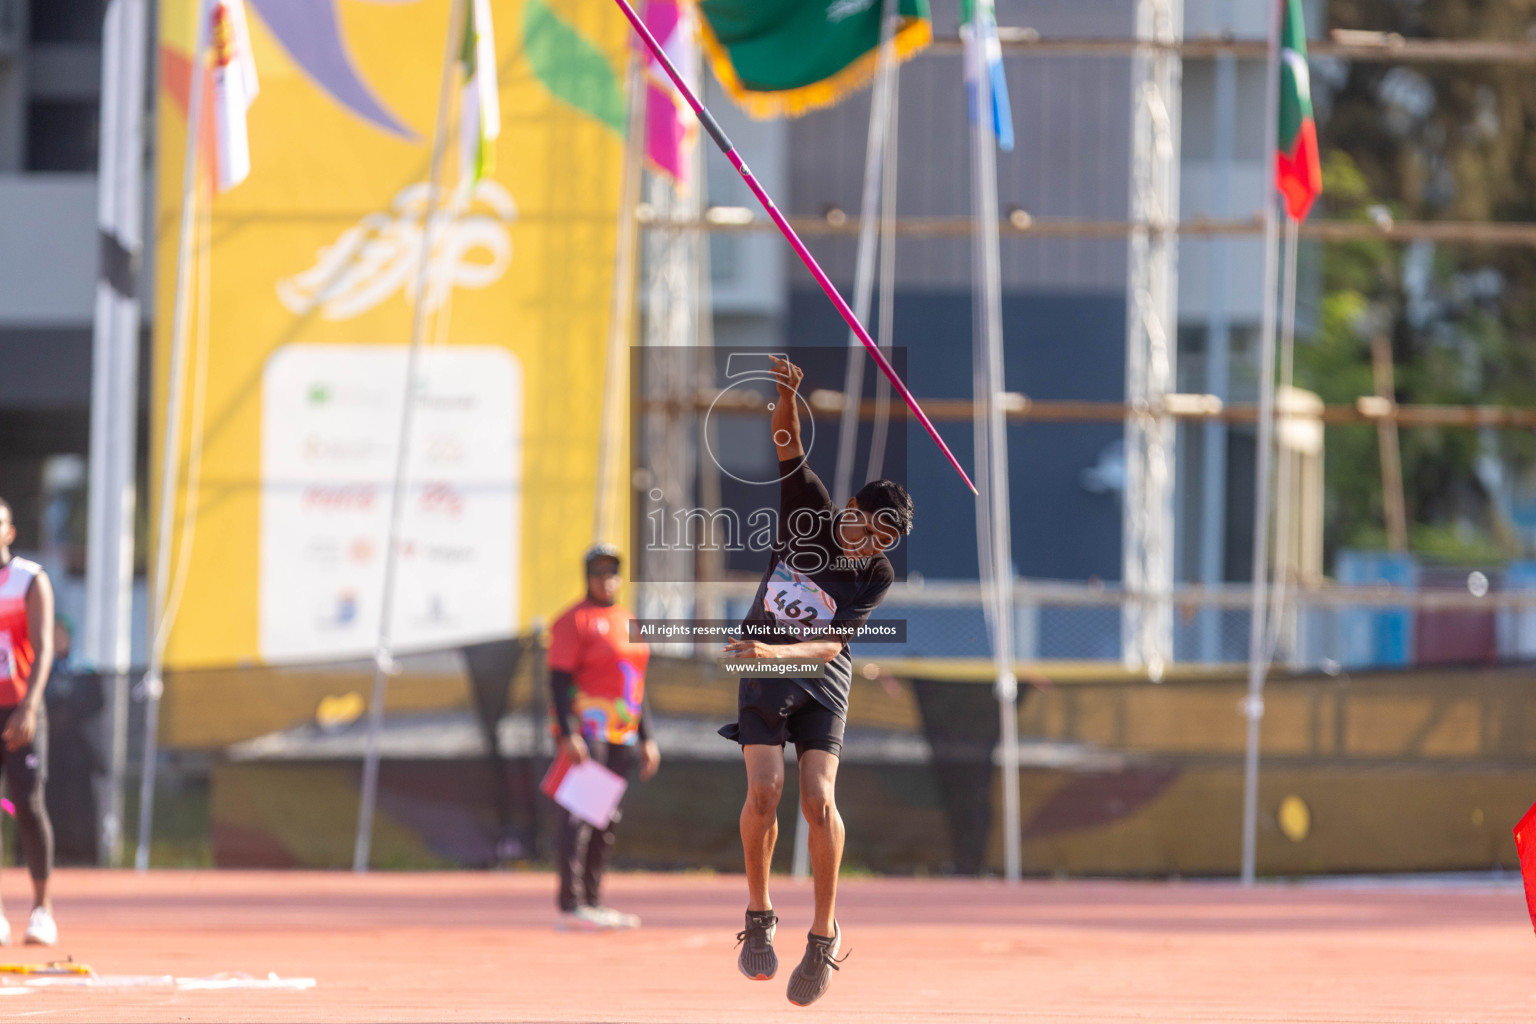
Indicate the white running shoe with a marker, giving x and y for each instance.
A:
(582, 919)
(615, 919)
(5, 931)
(42, 930)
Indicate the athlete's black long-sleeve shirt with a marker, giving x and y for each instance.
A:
(807, 548)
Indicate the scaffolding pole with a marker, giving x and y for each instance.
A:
(673, 320)
(1218, 353)
(1151, 319)
(1342, 44)
(1020, 225)
(1017, 408)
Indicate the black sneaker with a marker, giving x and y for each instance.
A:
(758, 961)
(810, 980)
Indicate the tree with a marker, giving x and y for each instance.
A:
(1428, 142)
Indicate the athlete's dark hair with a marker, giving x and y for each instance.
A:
(887, 494)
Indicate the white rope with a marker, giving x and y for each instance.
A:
(880, 117)
(881, 428)
(203, 305)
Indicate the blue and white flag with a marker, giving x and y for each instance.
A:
(984, 60)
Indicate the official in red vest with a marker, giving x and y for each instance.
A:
(597, 679)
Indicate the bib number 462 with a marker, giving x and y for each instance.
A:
(805, 614)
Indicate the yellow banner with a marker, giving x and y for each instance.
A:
(304, 296)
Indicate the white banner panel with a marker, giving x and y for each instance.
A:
(329, 424)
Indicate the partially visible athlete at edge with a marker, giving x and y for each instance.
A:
(828, 570)
(26, 659)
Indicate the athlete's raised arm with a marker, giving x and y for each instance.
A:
(785, 422)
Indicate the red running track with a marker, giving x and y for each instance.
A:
(481, 947)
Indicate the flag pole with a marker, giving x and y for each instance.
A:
(107, 642)
(875, 169)
(713, 128)
(383, 662)
(153, 685)
(994, 544)
(615, 374)
(880, 429)
(1283, 500)
(1253, 705)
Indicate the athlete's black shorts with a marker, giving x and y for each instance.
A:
(26, 768)
(772, 711)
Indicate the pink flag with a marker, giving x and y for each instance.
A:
(670, 127)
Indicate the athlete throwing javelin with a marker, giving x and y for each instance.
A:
(827, 573)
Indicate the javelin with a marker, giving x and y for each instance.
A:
(711, 126)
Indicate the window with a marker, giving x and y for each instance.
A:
(67, 21)
(62, 135)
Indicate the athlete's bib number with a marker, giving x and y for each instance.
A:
(796, 602)
(7, 658)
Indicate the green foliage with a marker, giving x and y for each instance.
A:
(1336, 363)
(1455, 544)
(1427, 142)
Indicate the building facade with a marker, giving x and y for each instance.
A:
(1064, 299)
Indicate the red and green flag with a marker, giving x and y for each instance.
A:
(1298, 173)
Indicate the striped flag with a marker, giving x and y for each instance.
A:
(234, 89)
(670, 127)
(480, 102)
(984, 63)
(1298, 171)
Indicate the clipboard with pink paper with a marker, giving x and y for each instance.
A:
(589, 790)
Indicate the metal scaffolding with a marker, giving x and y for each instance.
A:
(1020, 224)
(1152, 227)
(673, 259)
(1151, 323)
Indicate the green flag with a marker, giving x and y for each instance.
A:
(785, 57)
(1298, 171)
(571, 67)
